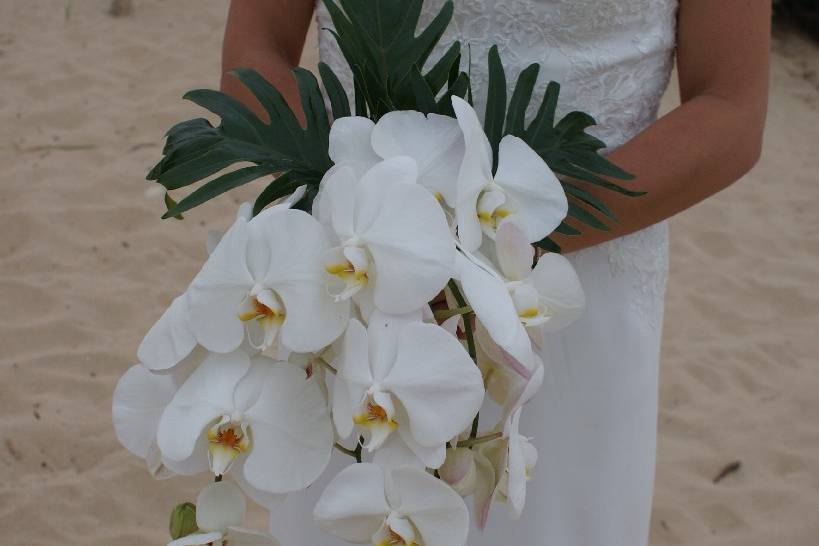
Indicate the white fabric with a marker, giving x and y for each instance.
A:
(594, 422)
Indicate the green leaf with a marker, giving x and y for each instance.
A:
(219, 186)
(521, 97)
(440, 72)
(548, 245)
(566, 229)
(581, 194)
(171, 204)
(379, 41)
(278, 188)
(495, 103)
(339, 102)
(581, 214)
(458, 88)
(424, 97)
(316, 136)
(195, 150)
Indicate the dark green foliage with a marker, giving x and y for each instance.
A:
(195, 150)
(378, 39)
(495, 103)
(387, 54)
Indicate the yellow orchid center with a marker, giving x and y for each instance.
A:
(349, 267)
(226, 441)
(373, 416)
(391, 538)
(493, 207)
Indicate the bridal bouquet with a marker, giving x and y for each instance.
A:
(309, 328)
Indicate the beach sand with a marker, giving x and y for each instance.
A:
(86, 267)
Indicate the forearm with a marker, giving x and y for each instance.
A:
(690, 154)
(267, 36)
(273, 66)
(714, 137)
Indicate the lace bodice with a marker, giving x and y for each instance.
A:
(612, 58)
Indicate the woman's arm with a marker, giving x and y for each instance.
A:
(715, 136)
(268, 36)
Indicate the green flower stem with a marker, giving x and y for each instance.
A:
(448, 313)
(346, 451)
(326, 364)
(479, 440)
(470, 339)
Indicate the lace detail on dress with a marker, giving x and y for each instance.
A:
(613, 59)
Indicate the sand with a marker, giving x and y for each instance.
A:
(86, 266)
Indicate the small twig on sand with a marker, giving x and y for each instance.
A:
(121, 8)
(60, 147)
(727, 470)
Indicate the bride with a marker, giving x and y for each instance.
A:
(595, 424)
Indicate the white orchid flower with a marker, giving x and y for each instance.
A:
(220, 510)
(503, 467)
(548, 297)
(266, 274)
(523, 187)
(400, 507)
(434, 141)
(264, 418)
(395, 251)
(404, 375)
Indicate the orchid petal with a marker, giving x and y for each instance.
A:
(292, 433)
(217, 292)
(313, 320)
(434, 141)
(197, 539)
(559, 288)
(484, 488)
(338, 188)
(436, 382)
(350, 140)
(438, 513)
(205, 396)
(490, 299)
(265, 499)
(170, 339)
(474, 175)
(139, 400)
(409, 240)
(353, 377)
(515, 253)
(430, 456)
(541, 201)
(353, 505)
(395, 452)
(219, 505)
(516, 488)
(237, 536)
(383, 332)
(460, 471)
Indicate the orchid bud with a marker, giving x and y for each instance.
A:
(183, 520)
(459, 470)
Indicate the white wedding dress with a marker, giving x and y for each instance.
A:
(594, 422)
